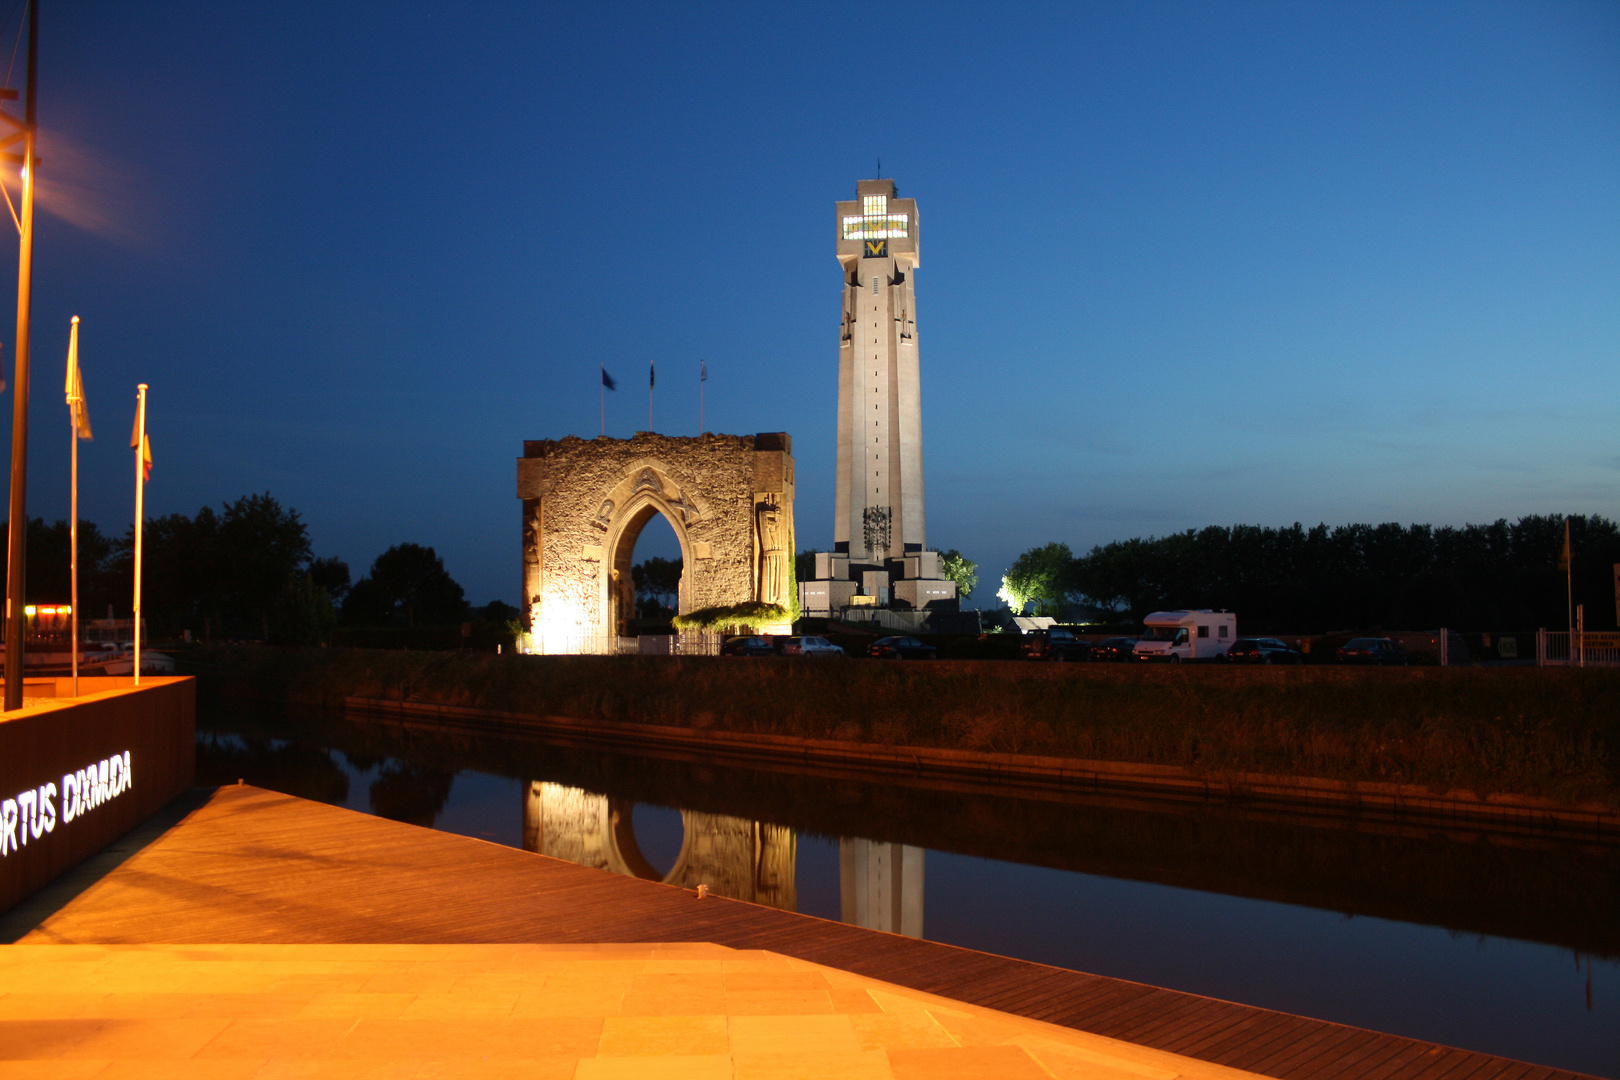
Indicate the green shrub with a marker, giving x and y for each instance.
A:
(752, 615)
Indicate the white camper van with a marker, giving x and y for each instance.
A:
(1177, 636)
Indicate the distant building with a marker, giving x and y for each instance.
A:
(880, 548)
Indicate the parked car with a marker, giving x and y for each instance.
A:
(747, 646)
(1262, 650)
(1372, 650)
(810, 646)
(1114, 650)
(901, 648)
(1054, 644)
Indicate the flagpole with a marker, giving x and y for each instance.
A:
(601, 388)
(701, 381)
(17, 526)
(73, 503)
(140, 511)
(1569, 587)
(652, 380)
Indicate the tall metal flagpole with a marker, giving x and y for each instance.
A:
(1569, 587)
(74, 405)
(17, 526)
(140, 513)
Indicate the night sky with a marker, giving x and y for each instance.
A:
(1182, 264)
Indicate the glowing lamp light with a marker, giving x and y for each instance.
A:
(29, 610)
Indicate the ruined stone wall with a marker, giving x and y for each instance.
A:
(586, 500)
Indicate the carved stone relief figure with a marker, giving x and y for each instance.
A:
(876, 522)
(531, 557)
(622, 593)
(775, 559)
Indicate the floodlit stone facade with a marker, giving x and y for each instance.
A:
(729, 499)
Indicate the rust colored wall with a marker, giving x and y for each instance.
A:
(42, 746)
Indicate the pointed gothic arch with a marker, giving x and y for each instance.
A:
(728, 499)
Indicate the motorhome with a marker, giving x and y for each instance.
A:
(1186, 636)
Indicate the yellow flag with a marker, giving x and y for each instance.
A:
(74, 387)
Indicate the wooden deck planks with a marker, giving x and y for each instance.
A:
(248, 865)
(1326, 1043)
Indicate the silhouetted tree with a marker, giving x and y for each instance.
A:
(658, 585)
(236, 570)
(1497, 576)
(331, 574)
(407, 585)
(498, 612)
(49, 580)
(305, 614)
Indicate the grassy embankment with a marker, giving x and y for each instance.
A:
(1549, 732)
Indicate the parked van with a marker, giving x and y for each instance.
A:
(1177, 636)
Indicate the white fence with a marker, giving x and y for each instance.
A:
(1560, 648)
(614, 645)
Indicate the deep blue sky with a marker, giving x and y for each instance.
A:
(1182, 263)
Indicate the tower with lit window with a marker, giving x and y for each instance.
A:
(879, 535)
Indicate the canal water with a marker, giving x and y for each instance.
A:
(1504, 945)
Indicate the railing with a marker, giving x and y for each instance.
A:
(1561, 648)
(615, 645)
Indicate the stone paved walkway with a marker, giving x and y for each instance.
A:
(533, 1011)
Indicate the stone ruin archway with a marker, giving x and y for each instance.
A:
(728, 498)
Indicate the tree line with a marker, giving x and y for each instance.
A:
(246, 570)
(1499, 576)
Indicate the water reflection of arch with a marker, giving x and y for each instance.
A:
(735, 857)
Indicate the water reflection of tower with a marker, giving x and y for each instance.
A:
(734, 857)
(880, 886)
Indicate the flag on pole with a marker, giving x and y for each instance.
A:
(703, 371)
(75, 388)
(137, 437)
(607, 380)
(1563, 556)
(652, 375)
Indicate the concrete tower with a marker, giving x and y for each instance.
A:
(879, 531)
(880, 483)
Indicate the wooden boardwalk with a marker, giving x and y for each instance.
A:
(246, 865)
